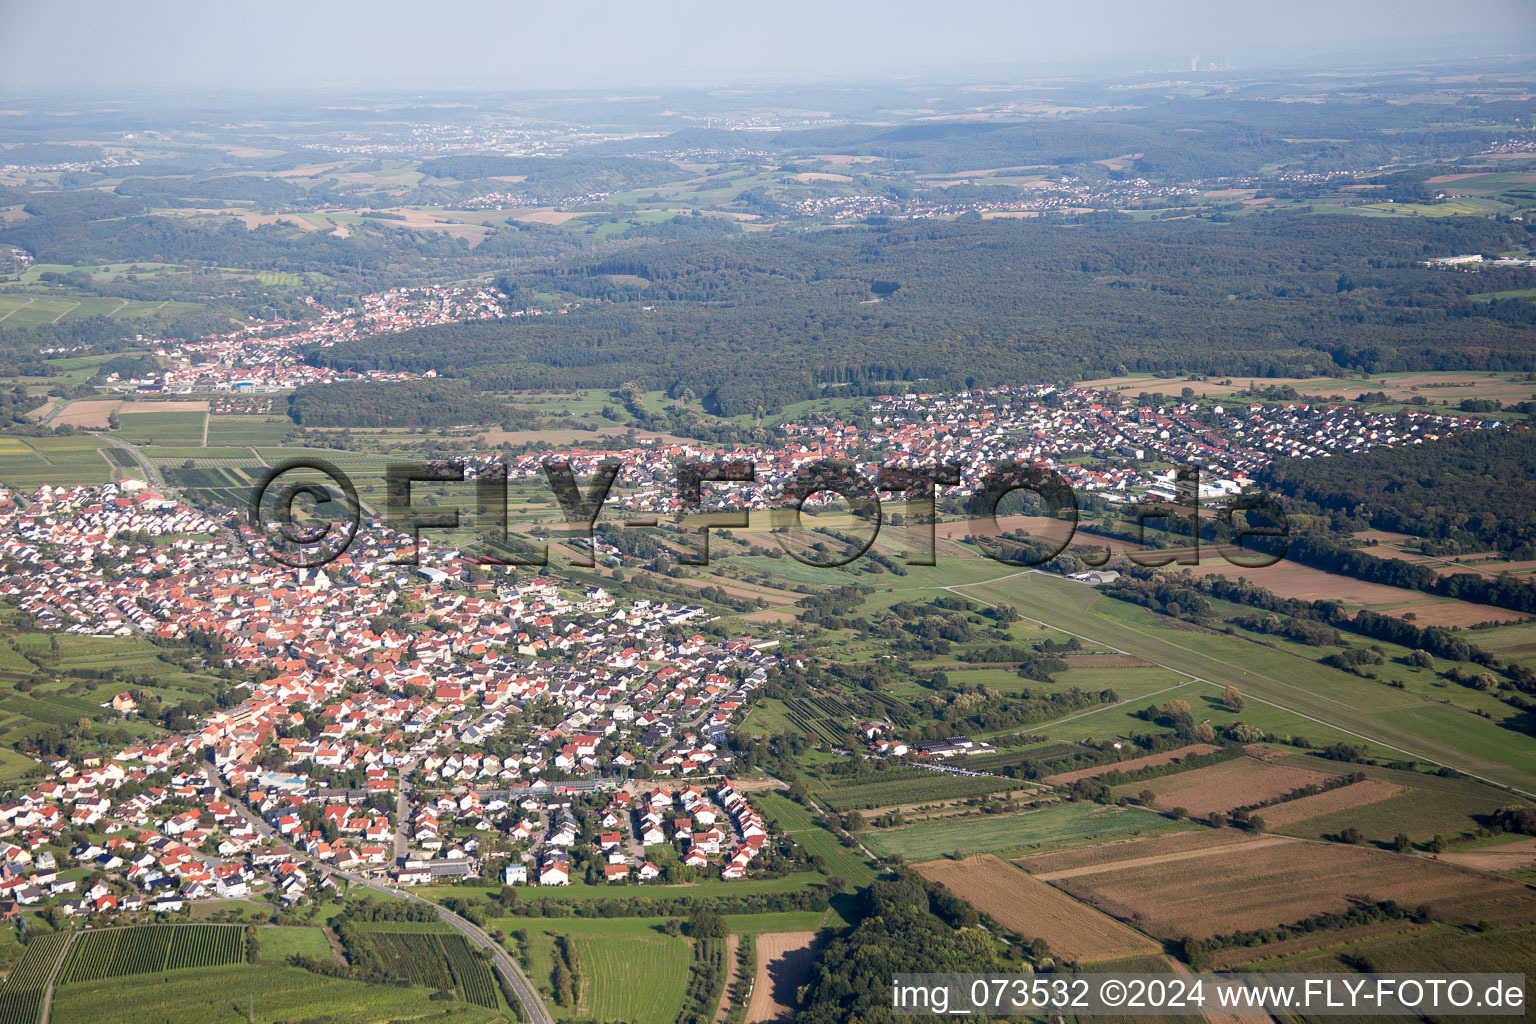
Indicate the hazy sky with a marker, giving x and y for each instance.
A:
(575, 43)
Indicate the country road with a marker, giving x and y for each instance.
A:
(150, 471)
(527, 995)
(47, 1006)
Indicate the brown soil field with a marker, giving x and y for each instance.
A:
(42, 411)
(1455, 613)
(440, 220)
(1221, 787)
(1162, 858)
(783, 961)
(1132, 849)
(1291, 579)
(1033, 909)
(180, 406)
(91, 415)
(546, 216)
(1132, 765)
(311, 171)
(1249, 887)
(253, 221)
(1358, 794)
(1505, 857)
(769, 615)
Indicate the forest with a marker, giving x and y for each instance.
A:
(1475, 490)
(755, 323)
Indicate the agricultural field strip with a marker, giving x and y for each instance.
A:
(1162, 858)
(1191, 678)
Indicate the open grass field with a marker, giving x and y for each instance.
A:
(248, 430)
(1036, 911)
(1287, 694)
(815, 840)
(1428, 806)
(35, 309)
(30, 462)
(163, 428)
(279, 942)
(1444, 949)
(235, 994)
(640, 979)
(1262, 884)
(1221, 787)
(628, 968)
(1052, 826)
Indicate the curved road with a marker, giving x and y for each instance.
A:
(150, 471)
(532, 1003)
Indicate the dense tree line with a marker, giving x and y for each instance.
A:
(753, 324)
(909, 925)
(1474, 489)
(412, 403)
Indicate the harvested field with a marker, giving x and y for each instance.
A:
(546, 216)
(1161, 858)
(91, 415)
(1221, 787)
(1505, 857)
(1132, 765)
(177, 406)
(1132, 849)
(1345, 798)
(769, 615)
(1455, 613)
(253, 221)
(1249, 886)
(1033, 909)
(783, 961)
(1291, 579)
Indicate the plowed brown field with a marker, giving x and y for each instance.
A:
(1033, 909)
